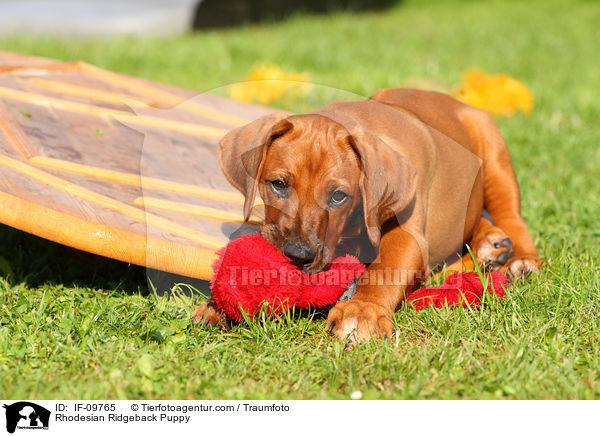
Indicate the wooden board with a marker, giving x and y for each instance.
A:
(117, 166)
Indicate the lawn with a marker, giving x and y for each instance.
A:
(77, 326)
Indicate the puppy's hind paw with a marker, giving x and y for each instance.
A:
(208, 314)
(494, 250)
(521, 266)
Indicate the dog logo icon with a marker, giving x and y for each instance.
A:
(26, 415)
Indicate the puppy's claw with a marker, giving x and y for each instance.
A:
(330, 327)
(521, 266)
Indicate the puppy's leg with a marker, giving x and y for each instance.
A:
(490, 245)
(400, 265)
(501, 191)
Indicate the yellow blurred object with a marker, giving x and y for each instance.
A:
(268, 83)
(498, 94)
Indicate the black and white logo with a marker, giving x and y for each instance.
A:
(26, 415)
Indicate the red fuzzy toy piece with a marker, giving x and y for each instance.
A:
(463, 289)
(250, 270)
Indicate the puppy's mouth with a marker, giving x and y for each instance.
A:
(312, 257)
(317, 266)
(309, 268)
(320, 262)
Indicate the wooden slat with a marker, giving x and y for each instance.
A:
(104, 240)
(140, 88)
(137, 180)
(93, 93)
(41, 68)
(191, 209)
(102, 112)
(110, 203)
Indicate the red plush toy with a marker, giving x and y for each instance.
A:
(463, 289)
(250, 271)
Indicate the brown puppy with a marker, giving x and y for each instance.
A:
(399, 180)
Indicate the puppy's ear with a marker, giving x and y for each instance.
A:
(388, 182)
(242, 152)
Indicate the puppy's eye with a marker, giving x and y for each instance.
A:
(279, 188)
(337, 198)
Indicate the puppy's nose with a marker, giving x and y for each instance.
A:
(299, 253)
(502, 259)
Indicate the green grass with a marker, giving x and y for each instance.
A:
(75, 326)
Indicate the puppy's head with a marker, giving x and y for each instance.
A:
(319, 182)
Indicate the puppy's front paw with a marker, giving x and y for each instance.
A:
(358, 321)
(520, 266)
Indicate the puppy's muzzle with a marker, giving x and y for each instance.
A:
(300, 254)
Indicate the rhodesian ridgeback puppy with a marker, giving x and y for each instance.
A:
(399, 180)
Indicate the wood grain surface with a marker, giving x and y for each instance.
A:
(115, 165)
